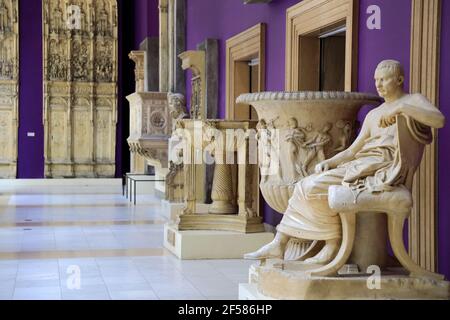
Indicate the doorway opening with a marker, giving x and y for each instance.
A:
(245, 70)
(321, 59)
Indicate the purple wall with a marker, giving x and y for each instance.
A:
(387, 43)
(211, 19)
(146, 20)
(444, 146)
(31, 150)
(391, 42)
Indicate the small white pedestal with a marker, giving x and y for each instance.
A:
(196, 245)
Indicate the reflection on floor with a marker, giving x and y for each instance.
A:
(50, 234)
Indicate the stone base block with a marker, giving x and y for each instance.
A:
(8, 171)
(289, 281)
(72, 170)
(172, 210)
(233, 223)
(248, 291)
(196, 245)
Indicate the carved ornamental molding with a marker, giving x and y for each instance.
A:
(138, 58)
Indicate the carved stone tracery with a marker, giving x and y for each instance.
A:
(9, 78)
(80, 75)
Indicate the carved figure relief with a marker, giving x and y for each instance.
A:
(297, 141)
(80, 63)
(316, 147)
(265, 145)
(9, 71)
(346, 135)
(196, 99)
(177, 107)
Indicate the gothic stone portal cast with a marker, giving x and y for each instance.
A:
(80, 95)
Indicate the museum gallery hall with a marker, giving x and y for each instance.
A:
(224, 150)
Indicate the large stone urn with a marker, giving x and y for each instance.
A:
(297, 130)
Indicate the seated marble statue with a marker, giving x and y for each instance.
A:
(370, 164)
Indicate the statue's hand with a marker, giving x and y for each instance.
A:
(387, 121)
(322, 167)
(391, 118)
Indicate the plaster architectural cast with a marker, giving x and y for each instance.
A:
(80, 88)
(138, 58)
(137, 161)
(177, 107)
(372, 178)
(163, 45)
(177, 44)
(9, 84)
(175, 177)
(150, 128)
(297, 131)
(153, 117)
(235, 191)
(195, 61)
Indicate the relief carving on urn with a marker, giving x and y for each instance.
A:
(298, 130)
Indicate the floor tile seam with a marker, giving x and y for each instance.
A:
(194, 286)
(103, 279)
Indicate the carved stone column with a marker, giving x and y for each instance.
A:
(229, 184)
(223, 189)
(175, 177)
(139, 59)
(195, 61)
(163, 45)
(177, 44)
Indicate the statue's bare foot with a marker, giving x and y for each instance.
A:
(327, 254)
(273, 250)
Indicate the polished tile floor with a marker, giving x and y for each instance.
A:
(86, 241)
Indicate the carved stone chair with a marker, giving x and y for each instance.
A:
(397, 204)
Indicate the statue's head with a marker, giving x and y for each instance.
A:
(327, 127)
(293, 123)
(389, 78)
(262, 124)
(177, 105)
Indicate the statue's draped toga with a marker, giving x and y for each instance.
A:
(377, 167)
